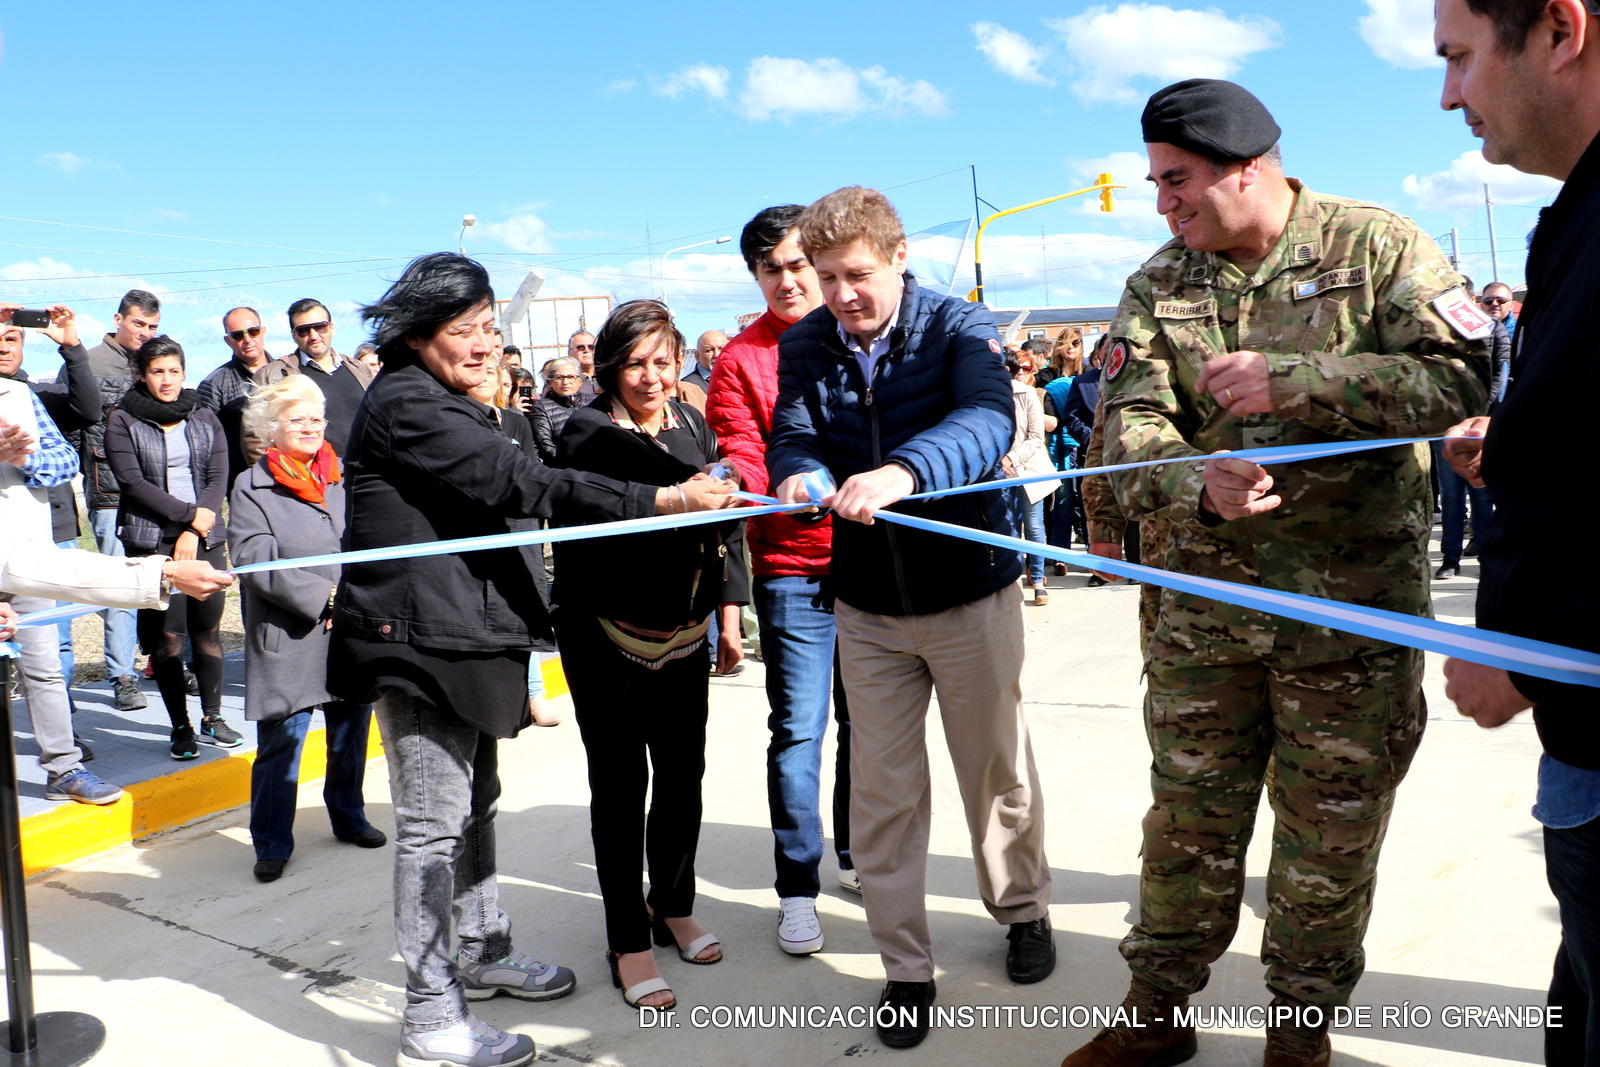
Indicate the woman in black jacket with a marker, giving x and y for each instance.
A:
(170, 458)
(439, 644)
(635, 652)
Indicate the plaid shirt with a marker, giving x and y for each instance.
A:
(54, 462)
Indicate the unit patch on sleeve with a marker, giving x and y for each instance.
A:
(1116, 359)
(1333, 279)
(1465, 317)
(994, 346)
(1177, 309)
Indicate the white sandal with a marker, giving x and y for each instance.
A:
(691, 952)
(639, 990)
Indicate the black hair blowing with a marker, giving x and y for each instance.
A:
(431, 291)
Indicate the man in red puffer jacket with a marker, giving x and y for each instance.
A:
(792, 592)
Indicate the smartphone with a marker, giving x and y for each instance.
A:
(525, 392)
(36, 320)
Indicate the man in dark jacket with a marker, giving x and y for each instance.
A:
(892, 389)
(342, 380)
(1527, 76)
(226, 390)
(138, 319)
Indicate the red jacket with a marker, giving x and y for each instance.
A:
(744, 390)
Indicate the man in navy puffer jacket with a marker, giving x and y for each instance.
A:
(894, 390)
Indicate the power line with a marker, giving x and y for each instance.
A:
(177, 236)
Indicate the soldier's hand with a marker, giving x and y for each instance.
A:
(1240, 383)
(1483, 694)
(1106, 550)
(1236, 488)
(1464, 449)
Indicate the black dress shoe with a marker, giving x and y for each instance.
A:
(270, 870)
(1095, 581)
(1447, 570)
(371, 837)
(1472, 548)
(1032, 955)
(85, 753)
(907, 1008)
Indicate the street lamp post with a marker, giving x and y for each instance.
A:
(1102, 185)
(461, 239)
(668, 252)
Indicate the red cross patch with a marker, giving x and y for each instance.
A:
(994, 346)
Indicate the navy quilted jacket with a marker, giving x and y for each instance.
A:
(939, 404)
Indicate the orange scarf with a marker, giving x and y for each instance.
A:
(309, 483)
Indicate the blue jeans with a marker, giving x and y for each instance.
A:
(121, 629)
(275, 776)
(801, 655)
(444, 779)
(1454, 496)
(1572, 864)
(1033, 530)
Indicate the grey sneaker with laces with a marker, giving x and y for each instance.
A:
(515, 975)
(469, 1043)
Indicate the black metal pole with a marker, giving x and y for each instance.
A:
(13, 899)
(69, 1038)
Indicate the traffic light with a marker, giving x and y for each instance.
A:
(1105, 194)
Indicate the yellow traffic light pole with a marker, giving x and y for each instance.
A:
(1102, 185)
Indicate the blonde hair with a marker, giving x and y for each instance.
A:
(1061, 355)
(268, 403)
(508, 381)
(848, 215)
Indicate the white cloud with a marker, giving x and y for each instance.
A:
(713, 81)
(72, 163)
(1400, 32)
(1011, 53)
(522, 232)
(1459, 187)
(1112, 46)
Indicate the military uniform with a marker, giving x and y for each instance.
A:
(1367, 334)
(1107, 525)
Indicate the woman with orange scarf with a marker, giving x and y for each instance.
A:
(291, 503)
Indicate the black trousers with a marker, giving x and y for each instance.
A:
(161, 635)
(641, 728)
(1572, 864)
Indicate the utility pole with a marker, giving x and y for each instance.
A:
(1494, 253)
(1455, 248)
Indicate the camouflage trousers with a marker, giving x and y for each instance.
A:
(1341, 737)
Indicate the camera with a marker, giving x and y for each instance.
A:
(36, 320)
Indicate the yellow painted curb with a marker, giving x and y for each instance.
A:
(73, 831)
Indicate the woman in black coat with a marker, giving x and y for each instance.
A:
(170, 458)
(635, 652)
(439, 644)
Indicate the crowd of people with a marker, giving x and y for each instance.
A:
(1275, 316)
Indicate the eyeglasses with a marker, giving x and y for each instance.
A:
(303, 423)
(239, 335)
(306, 327)
(1492, 301)
(566, 377)
(583, 348)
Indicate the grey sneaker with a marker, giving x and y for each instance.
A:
(128, 696)
(82, 785)
(515, 975)
(213, 731)
(469, 1043)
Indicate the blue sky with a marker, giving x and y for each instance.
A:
(254, 153)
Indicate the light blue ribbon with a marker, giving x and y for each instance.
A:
(1519, 654)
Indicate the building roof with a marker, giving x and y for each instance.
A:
(1074, 316)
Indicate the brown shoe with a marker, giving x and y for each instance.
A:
(1297, 1046)
(1156, 1042)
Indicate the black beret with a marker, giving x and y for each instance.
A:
(1217, 119)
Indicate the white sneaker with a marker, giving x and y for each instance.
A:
(849, 880)
(799, 932)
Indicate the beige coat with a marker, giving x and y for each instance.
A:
(1028, 453)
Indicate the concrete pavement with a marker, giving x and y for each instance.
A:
(188, 960)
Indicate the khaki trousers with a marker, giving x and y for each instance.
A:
(971, 656)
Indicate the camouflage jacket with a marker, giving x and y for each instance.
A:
(1367, 334)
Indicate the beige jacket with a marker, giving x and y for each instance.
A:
(1028, 453)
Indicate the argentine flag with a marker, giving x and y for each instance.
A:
(936, 252)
